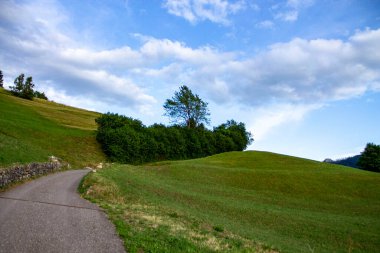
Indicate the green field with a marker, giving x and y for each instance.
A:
(30, 131)
(241, 201)
(237, 202)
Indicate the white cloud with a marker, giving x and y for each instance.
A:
(269, 118)
(297, 4)
(266, 24)
(295, 76)
(216, 11)
(289, 16)
(305, 70)
(80, 101)
(34, 42)
(290, 10)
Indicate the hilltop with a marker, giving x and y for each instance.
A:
(239, 200)
(30, 131)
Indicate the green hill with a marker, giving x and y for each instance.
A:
(241, 201)
(30, 131)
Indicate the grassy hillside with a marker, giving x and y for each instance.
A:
(241, 201)
(33, 130)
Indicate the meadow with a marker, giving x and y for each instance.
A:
(231, 202)
(240, 202)
(31, 131)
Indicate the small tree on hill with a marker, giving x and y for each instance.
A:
(1, 79)
(186, 108)
(40, 95)
(28, 91)
(21, 89)
(370, 158)
(19, 85)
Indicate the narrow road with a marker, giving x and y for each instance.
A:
(48, 215)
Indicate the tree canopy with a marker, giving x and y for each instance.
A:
(23, 89)
(370, 158)
(186, 108)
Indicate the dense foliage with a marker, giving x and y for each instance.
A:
(127, 140)
(186, 108)
(370, 158)
(40, 95)
(25, 89)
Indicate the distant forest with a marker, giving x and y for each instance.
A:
(349, 161)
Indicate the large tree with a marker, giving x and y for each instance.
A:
(186, 108)
(1, 79)
(370, 158)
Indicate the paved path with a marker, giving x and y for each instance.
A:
(47, 215)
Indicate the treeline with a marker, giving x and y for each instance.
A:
(127, 140)
(369, 159)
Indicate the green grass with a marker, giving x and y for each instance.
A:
(30, 131)
(241, 201)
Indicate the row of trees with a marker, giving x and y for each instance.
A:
(23, 88)
(127, 140)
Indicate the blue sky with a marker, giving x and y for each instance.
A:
(304, 76)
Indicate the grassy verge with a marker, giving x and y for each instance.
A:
(30, 131)
(240, 202)
(147, 227)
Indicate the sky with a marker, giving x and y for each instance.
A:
(303, 75)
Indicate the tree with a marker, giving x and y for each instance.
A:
(370, 158)
(40, 95)
(19, 85)
(28, 91)
(21, 89)
(1, 79)
(240, 138)
(187, 109)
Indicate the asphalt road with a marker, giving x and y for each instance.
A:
(48, 215)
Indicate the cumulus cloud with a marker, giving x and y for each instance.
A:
(34, 40)
(299, 74)
(216, 11)
(301, 70)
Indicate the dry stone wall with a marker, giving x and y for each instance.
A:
(20, 172)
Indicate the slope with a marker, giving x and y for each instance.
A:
(30, 131)
(238, 200)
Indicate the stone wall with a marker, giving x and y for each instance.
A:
(20, 172)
